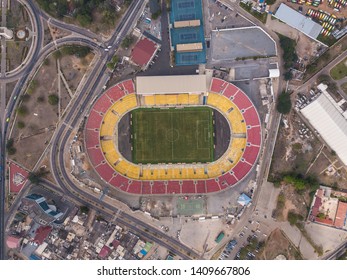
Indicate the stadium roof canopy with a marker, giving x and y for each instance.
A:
(171, 84)
(329, 123)
(298, 21)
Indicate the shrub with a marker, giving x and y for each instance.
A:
(53, 99)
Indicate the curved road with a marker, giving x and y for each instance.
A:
(95, 81)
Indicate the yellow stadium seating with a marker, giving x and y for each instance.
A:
(182, 99)
(150, 100)
(194, 99)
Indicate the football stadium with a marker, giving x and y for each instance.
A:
(173, 135)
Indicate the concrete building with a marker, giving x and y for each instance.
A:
(37, 208)
(329, 121)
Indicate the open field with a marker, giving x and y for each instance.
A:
(278, 244)
(339, 71)
(172, 135)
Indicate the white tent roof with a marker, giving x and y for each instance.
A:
(171, 84)
(329, 123)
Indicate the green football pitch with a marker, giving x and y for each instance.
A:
(172, 135)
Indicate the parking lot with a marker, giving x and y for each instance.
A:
(218, 16)
(241, 43)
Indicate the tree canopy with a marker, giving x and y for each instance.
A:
(284, 103)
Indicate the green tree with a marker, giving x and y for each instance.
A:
(288, 76)
(57, 54)
(11, 150)
(128, 40)
(36, 177)
(84, 209)
(53, 99)
(284, 103)
(22, 111)
(289, 54)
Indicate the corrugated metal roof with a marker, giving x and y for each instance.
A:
(298, 21)
(330, 124)
(171, 84)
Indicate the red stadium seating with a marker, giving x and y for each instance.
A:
(251, 153)
(115, 93)
(92, 138)
(212, 185)
(188, 187)
(241, 169)
(251, 117)
(218, 85)
(95, 156)
(129, 86)
(231, 90)
(146, 187)
(102, 104)
(254, 136)
(135, 187)
(241, 100)
(201, 186)
(158, 187)
(173, 187)
(94, 120)
(226, 180)
(105, 171)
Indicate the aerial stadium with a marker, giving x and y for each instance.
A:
(163, 135)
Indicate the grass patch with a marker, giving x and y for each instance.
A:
(328, 40)
(339, 71)
(172, 135)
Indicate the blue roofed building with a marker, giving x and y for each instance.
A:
(244, 200)
(38, 208)
(187, 32)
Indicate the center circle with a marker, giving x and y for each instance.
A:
(172, 135)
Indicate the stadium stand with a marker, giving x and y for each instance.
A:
(173, 187)
(251, 116)
(212, 185)
(94, 120)
(105, 171)
(254, 135)
(153, 179)
(251, 154)
(135, 187)
(188, 187)
(102, 104)
(241, 169)
(92, 138)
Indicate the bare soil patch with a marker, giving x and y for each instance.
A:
(278, 244)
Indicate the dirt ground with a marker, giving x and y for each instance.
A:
(306, 48)
(293, 153)
(17, 50)
(278, 244)
(41, 118)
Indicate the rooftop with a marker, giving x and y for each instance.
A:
(171, 84)
(143, 52)
(298, 21)
(329, 123)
